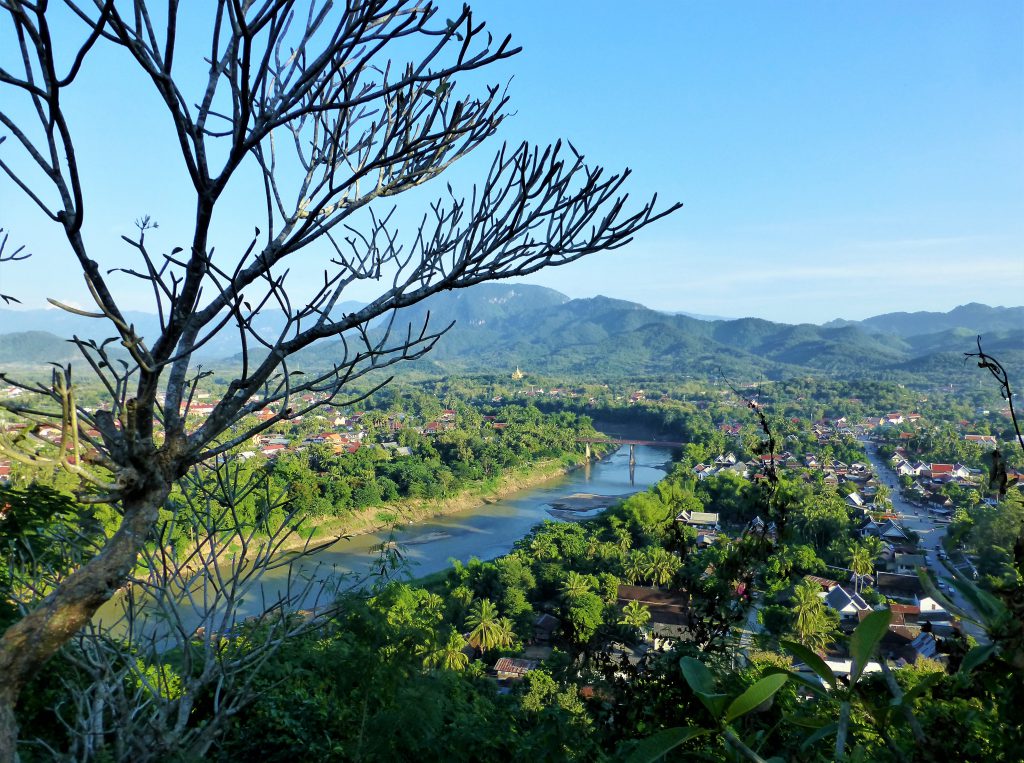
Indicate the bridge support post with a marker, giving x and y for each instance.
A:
(588, 451)
(632, 455)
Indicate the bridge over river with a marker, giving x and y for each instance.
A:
(631, 443)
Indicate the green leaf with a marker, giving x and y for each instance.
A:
(755, 695)
(988, 606)
(715, 703)
(811, 660)
(976, 656)
(697, 675)
(656, 746)
(803, 680)
(865, 638)
(817, 736)
(806, 721)
(932, 590)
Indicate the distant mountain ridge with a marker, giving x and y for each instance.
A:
(973, 317)
(501, 326)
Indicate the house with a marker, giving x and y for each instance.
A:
(703, 471)
(702, 520)
(667, 607)
(930, 610)
(706, 538)
(907, 564)
(897, 584)
(513, 667)
(669, 612)
(544, 627)
(846, 603)
(842, 668)
(727, 459)
(757, 526)
(855, 500)
(905, 614)
(892, 532)
(826, 584)
(960, 472)
(982, 439)
(925, 646)
(906, 469)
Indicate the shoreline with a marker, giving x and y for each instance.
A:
(367, 521)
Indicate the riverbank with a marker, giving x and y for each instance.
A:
(410, 512)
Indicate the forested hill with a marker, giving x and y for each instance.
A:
(972, 318)
(535, 330)
(501, 326)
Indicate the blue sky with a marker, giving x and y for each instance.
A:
(835, 159)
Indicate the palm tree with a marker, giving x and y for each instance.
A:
(661, 566)
(505, 634)
(575, 585)
(542, 548)
(874, 546)
(487, 630)
(623, 539)
(634, 567)
(809, 624)
(635, 614)
(450, 655)
(861, 563)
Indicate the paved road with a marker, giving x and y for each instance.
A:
(930, 532)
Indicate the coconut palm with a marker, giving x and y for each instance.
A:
(861, 562)
(575, 585)
(542, 548)
(809, 624)
(661, 566)
(635, 614)
(487, 630)
(450, 654)
(506, 633)
(634, 566)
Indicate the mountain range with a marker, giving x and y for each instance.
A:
(498, 327)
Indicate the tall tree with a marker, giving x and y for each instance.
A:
(302, 106)
(487, 629)
(862, 562)
(809, 621)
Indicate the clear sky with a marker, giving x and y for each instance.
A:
(835, 159)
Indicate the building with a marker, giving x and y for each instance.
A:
(701, 520)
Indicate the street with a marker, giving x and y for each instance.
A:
(930, 532)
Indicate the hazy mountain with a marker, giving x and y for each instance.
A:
(64, 325)
(498, 327)
(973, 318)
(35, 347)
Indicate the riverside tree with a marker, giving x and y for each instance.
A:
(321, 111)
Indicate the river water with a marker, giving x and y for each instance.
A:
(490, 530)
(485, 531)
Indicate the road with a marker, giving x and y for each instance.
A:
(930, 532)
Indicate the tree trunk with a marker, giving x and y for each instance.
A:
(29, 643)
(8, 724)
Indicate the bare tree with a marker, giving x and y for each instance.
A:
(7, 255)
(310, 98)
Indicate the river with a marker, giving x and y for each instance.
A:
(485, 531)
